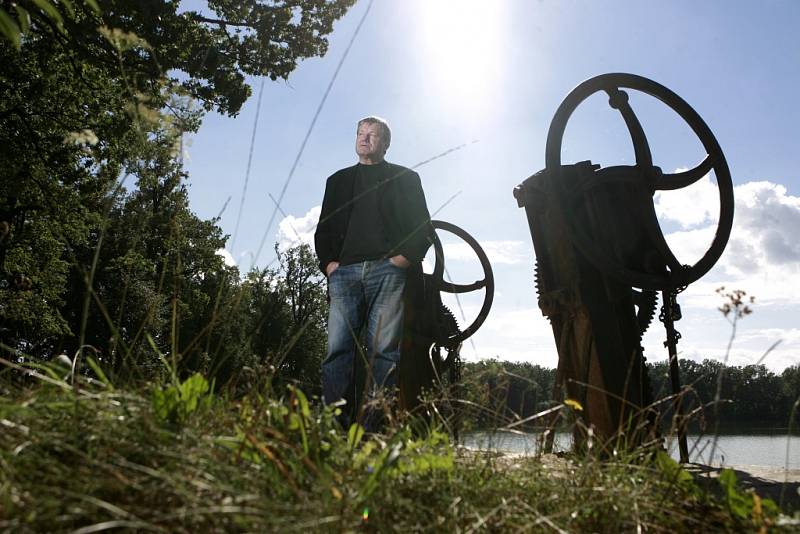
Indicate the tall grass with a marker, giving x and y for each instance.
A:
(175, 457)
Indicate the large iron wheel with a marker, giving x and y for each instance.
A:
(440, 284)
(678, 274)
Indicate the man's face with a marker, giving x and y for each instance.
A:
(370, 143)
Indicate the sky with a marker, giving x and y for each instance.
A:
(486, 77)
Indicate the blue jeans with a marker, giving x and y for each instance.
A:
(366, 299)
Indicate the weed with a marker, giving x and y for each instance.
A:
(93, 457)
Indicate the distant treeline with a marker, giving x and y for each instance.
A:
(750, 395)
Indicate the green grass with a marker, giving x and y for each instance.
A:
(95, 458)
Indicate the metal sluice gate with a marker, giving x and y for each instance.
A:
(601, 261)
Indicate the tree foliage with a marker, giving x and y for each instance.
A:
(100, 252)
(751, 395)
(208, 51)
(506, 391)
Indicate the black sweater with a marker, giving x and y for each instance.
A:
(401, 206)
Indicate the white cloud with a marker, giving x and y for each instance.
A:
(773, 217)
(227, 257)
(498, 252)
(762, 257)
(521, 334)
(691, 206)
(527, 323)
(690, 245)
(765, 222)
(763, 253)
(705, 334)
(767, 336)
(293, 231)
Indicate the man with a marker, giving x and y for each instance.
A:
(374, 227)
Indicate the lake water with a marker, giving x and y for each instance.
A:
(732, 449)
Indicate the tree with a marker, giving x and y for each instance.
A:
(90, 98)
(507, 391)
(208, 55)
(271, 328)
(750, 394)
(303, 288)
(158, 272)
(55, 186)
(790, 395)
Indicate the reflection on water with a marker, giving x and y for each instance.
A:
(773, 450)
(513, 442)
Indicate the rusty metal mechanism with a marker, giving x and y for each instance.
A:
(597, 238)
(431, 328)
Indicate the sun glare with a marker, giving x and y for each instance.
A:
(462, 50)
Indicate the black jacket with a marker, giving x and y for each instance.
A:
(401, 204)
